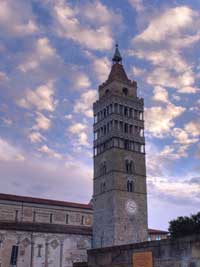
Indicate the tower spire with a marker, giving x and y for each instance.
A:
(117, 57)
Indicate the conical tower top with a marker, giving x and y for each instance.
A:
(117, 57)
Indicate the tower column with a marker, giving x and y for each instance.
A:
(119, 187)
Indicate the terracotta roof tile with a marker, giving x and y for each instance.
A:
(44, 201)
(155, 231)
(118, 73)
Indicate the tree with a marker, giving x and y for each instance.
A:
(184, 226)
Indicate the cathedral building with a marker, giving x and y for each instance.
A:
(39, 232)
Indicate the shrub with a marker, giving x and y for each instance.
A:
(183, 226)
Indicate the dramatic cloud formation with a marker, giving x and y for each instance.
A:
(84, 104)
(36, 137)
(161, 43)
(42, 52)
(98, 36)
(168, 24)
(41, 98)
(79, 130)
(12, 22)
(54, 55)
(42, 122)
(160, 120)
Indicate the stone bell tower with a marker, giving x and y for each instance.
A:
(119, 193)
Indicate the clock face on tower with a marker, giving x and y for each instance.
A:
(131, 206)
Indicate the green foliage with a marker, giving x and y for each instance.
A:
(183, 226)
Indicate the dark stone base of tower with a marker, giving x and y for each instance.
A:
(183, 252)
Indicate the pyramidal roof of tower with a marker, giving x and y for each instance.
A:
(117, 71)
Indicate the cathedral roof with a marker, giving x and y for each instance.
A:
(156, 231)
(44, 201)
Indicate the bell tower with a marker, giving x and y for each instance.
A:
(119, 187)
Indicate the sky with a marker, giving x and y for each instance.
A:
(53, 56)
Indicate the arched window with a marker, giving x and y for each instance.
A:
(125, 111)
(103, 168)
(129, 166)
(130, 186)
(125, 91)
(107, 91)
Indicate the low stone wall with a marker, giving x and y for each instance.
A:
(183, 252)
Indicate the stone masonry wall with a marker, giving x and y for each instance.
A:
(43, 249)
(15, 211)
(166, 253)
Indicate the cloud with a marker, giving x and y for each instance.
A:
(68, 25)
(3, 76)
(42, 122)
(193, 128)
(163, 58)
(168, 189)
(162, 43)
(79, 133)
(42, 52)
(101, 16)
(195, 180)
(37, 177)
(176, 97)
(160, 94)
(160, 120)
(137, 4)
(16, 18)
(168, 24)
(183, 137)
(183, 82)
(36, 137)
(80, 80)
(77, 127)
(9, 152)
(68, 116)
(42, 98)
(50, 152)
(84, 103)
(196, 107)
(7, 121)
(138, 71)
(160, 161)
(100, 66)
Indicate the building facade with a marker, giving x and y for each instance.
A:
(47, 232)
(120, 195)
(44, 232)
